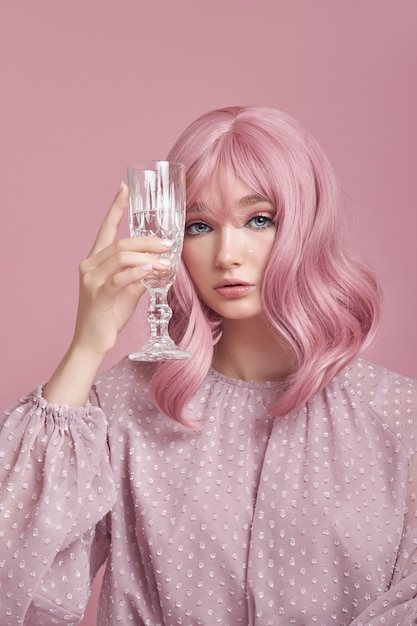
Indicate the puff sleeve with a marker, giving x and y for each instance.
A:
(55, 486)
(394, 398)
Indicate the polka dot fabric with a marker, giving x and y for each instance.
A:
(248, 519)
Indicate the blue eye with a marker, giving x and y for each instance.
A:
(197, 228)
(260, 221)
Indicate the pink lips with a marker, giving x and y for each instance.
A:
(233, 288)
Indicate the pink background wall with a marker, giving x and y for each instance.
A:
(88, 86)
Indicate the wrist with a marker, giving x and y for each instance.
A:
(71, 382)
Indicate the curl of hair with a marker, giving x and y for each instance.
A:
(322, 302)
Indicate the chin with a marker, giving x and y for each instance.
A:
(240, 315)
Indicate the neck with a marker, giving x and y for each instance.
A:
(249, 350)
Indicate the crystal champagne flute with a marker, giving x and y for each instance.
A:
(157, 208)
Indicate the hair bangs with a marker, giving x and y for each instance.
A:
(213, 176)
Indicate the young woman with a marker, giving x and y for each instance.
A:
(267, 480)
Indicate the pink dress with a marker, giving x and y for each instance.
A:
(253, 520)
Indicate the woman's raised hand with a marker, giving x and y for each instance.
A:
(110, 278)
(110, 287)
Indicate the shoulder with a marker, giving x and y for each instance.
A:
(377, 385)
(389, 396)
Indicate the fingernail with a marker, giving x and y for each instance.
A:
(146, 267)
(120, 187)
(166, 242)
(165, 262)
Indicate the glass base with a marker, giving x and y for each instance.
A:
(159, 351)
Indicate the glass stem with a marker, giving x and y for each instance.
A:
(159, 313)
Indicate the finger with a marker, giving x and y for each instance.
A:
(110, 225)
(102, 268)
(127, 260)
(129, 252)
(127, 278)
(150, 243)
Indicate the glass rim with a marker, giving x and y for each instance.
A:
(152, 164)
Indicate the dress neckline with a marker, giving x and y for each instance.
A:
(277, 385)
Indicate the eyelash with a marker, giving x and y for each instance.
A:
(267, 222)
(188, 228)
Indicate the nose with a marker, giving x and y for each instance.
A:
(229, 247)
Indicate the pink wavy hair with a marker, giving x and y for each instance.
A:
(322, 302)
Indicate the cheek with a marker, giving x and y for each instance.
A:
(188, 249)
(260, 250)
(192, 257)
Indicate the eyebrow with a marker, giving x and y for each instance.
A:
(196, 207)
(243, 202)
(253, 199)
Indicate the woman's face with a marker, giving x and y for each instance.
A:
(226, 254)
